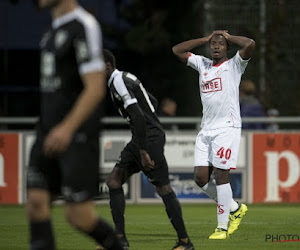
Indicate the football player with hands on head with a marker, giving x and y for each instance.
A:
(64, 159)
(144, 152)
(217, 143)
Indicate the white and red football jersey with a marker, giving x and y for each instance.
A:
(219, 90)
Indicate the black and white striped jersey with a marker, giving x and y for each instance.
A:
(127, 90)
(71, 48)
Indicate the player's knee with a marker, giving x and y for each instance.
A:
(163, 190)
(114, 180)
(221, 176)
(72, 220)
(202, 175)
(81, 216)
(113, 183)
(33, 209)
(78, 222)
(37, 206)
(200, 180)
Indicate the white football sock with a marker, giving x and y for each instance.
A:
(234, 206)
(210, 189)
(224, 194)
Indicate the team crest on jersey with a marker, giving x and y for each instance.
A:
(218, 73)
(60, 38)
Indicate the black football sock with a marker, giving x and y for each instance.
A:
(104, 234)
(117, 207)
(41, 236)
(173, 209)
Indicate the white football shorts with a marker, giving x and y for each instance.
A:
(217, 147)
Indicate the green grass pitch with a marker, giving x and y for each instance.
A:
(149, 228)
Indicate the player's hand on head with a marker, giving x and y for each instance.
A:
(57, 140)
(225, 34)
(147, 162)
(215, 32)
(222, 32)
(210, 36)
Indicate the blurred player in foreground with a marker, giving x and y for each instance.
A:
(217, 143)
(145, 151)
(64, 158)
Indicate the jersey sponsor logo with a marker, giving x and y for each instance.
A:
(60, 38)
(49, 82)
(213, 85)
(47, 64)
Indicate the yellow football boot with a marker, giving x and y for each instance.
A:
(236, 218)
(219, 234)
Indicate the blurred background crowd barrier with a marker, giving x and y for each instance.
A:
(268, 167)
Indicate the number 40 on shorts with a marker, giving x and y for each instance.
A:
(222, 152)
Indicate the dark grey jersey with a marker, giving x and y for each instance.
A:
(126, 90)
(71, 48)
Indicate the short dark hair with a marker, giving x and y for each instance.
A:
(109, 57)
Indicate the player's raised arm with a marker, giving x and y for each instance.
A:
(247, 44)
(181, 50)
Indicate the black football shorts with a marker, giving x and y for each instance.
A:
(74, 173)
(130, 159)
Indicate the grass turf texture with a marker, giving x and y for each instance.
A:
(148, 227)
